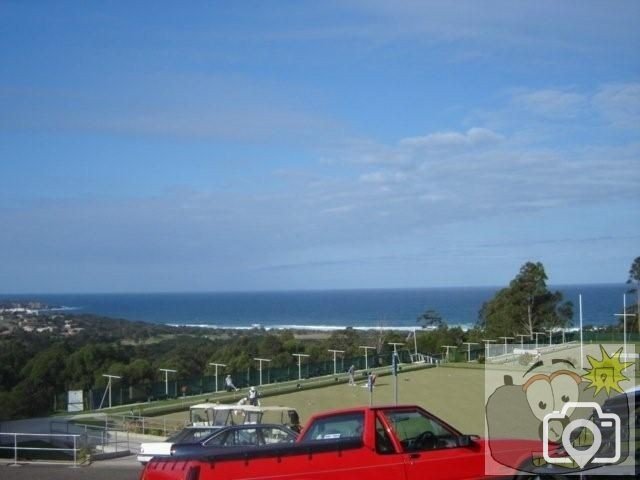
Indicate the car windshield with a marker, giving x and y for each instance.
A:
(417, 431)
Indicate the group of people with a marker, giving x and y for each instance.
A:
(252, 399)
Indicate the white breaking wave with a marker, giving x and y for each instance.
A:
(315, 328)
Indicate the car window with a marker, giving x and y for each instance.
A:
(189, 435)
(417, 431)
(244, 436)
(272, 435)
(335, 427)
(219, 439)
(198, 435)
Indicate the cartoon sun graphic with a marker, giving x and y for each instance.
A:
(606, 373)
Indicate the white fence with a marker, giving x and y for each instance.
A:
(23, 442)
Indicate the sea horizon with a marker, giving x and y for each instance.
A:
(315, 309)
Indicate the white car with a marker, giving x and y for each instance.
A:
(186, 435)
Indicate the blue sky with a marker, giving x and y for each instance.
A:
(163, 146)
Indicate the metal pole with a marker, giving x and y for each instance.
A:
(624, 316)
(15, 450)
(75, 452)
(624, 325)
(581, 352)
(366, 357)
(487, 346)
(260, 360)
(217, 365)
(468, 344)
(300, 355)
(505, 343)
(335, 370)
(394, 363)
(166, 380)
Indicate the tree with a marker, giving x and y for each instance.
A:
(431, 318)
(634, 277)
(525, 306)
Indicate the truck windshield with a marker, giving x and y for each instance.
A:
(417, 431)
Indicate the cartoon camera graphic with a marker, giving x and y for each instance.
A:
(603, 430)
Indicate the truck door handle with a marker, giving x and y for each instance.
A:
(413, 456)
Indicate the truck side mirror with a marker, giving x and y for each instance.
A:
(466, 440)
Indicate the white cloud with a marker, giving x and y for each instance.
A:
(551, 103)
(620, 104)
(473, 137)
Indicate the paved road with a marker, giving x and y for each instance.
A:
(119, 469)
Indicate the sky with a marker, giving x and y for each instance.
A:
(285, 145)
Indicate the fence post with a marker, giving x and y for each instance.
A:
(75, 451)
(15, 451)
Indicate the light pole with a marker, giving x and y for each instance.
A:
(468, 344)
(366, 358)
(550, 336)
(536, 334)
(335, 370)
(108, 389)
(505, 343)
(448, 347)
(300, 356)
(261, 360)
(166, 379)
(624, 316)
(395, 349)
(487, 346)
(522, 339)
(217, 365)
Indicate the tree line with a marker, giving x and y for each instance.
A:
(36, 366)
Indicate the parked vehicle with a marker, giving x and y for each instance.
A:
(377, 443)
(186, 435)
(207, 418)
(237, 436)
(215, 414)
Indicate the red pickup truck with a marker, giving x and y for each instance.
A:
(385, 443)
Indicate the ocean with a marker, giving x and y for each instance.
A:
(321, 310)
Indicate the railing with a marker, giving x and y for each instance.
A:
(65, 439)
(96, 438)
(145, 425)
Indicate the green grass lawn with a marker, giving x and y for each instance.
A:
(454, 394)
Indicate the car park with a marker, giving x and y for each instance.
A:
(377, 443)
